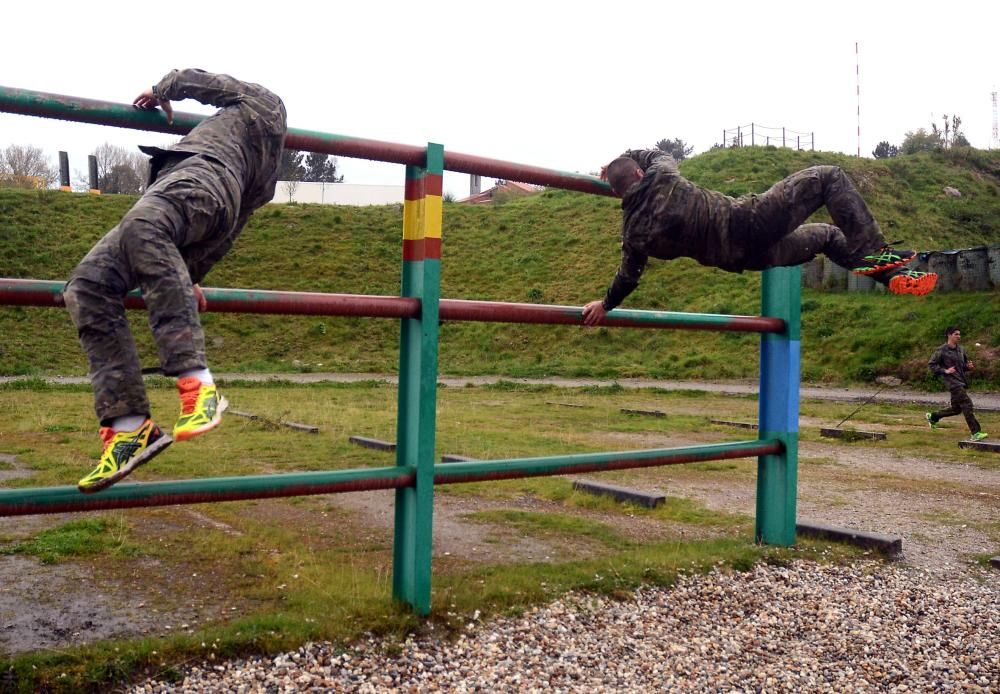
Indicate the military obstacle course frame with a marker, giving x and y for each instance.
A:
(419, 309)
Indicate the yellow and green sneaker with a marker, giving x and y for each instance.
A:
(124, 451)
(201, 408)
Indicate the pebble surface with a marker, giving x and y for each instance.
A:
(801, 627)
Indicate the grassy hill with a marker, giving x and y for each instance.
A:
(556, 247)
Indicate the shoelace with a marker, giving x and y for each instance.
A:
(189, 399)
(884, 255)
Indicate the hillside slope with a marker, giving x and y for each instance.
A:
(556, 247)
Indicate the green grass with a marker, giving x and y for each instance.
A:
(557, 247)
(82, 538)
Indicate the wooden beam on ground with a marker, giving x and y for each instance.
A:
(308, 428)
(366, 442)
(741, 425)
(991, 447)
(995, 562)
(451, 458)
(885, 544)
(624, 494)
(852, 434)
(653, 413)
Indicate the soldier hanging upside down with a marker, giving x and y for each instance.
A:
(666, 216)
(200, 195)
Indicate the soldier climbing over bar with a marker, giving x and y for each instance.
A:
(201, 193)
(667, 217)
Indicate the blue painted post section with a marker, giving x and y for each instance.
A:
(779, 408)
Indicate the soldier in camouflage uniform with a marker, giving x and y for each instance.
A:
(201, 193)
(953, 365)
(667, 216)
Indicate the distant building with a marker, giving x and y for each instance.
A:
(503, 189)
(337, 193)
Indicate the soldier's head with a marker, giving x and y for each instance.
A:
(622, 174)
(953, 335)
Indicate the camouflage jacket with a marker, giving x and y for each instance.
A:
(945, 357)
(666, 216)
(245, 136)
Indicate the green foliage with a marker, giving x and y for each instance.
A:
(676, 148)
(884, 150)
(921, 141)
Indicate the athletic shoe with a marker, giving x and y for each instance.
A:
(930, 421)
(978, 436)
(913, 282)
(885, 258)
(201, 408)
(124, 451)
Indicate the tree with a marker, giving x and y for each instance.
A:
(321, 168)
(937, 139)
(291, 168)
(120, 170)
(26, 166)
(676, 148)
(884, 150)
(920, 141)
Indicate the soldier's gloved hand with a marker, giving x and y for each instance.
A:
(147, 101)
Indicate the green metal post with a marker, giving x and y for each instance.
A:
(422, 212)
(779, 408)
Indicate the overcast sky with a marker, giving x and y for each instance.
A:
(565, 85)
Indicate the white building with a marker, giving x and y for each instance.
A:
(337, 193)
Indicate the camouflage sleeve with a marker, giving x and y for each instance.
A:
(934, 364)
(214, 89)
(627, 277)
(646, 158)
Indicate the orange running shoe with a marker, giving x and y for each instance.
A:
(201, 408)
(913, 282)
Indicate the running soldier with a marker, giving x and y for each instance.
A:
(951, 363)
(667, 216)
(201, 193)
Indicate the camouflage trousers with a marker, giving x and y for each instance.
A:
(191, 206)
(773, 222)
(961, 404)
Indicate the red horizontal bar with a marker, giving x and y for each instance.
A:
(22, 292)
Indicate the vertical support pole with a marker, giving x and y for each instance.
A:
(777, 474)
(92, 165)
(422, 212)
(752, 142)
(64, 172)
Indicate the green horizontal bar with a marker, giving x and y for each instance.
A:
(452, 473)
(21, 502)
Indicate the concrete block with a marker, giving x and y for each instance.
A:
(886, 544)
(647, 499)
(366, 442)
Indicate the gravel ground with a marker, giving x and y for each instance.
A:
(802, 627)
